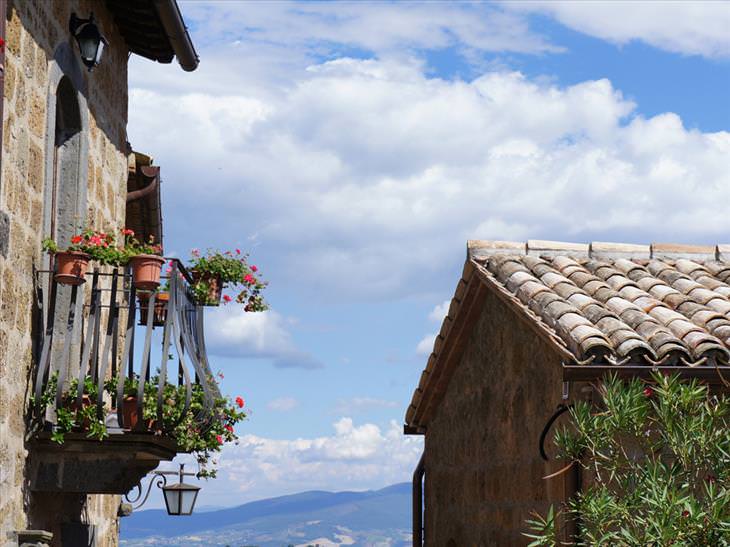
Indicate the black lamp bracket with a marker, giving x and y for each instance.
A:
(159, 478)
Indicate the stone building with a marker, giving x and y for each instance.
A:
(65, 163)
(528, 329)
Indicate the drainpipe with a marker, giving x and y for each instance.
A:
(418, 475)
(177, 34)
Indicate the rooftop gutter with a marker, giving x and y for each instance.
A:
(177, 33)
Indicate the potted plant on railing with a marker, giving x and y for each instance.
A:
(71, 416)
(72, 263)
(217, 270)
(191, 435)
(159, 311)
(145, 260)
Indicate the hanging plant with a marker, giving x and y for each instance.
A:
(216, 271)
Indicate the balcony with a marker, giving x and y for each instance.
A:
(97, 347)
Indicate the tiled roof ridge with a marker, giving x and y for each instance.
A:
(478, 249)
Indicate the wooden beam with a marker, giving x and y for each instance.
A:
(447, 361)
(587, 373)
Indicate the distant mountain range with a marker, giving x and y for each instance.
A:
(374, 518)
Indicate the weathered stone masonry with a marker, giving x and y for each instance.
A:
(38, 54)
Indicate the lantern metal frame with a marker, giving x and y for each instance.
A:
(160, 480)
(87, 29)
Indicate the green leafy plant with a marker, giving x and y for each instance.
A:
(100, 246)
(133, 246)
(658, 458)
(194, 431)
(234, 272)
(70, 416)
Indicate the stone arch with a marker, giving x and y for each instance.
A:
(67, 146)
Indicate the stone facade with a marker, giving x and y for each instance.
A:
(484, 474)
(38, 55)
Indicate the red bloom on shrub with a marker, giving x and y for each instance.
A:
(254, 269)
(227, 298)
(685, 513)
(648, 392)
(238, 251)
(248, 278)
(219, 439)
(127, 232)
(240, 402)
(229, 428)
(76, 239)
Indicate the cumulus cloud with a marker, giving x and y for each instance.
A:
(264, 335)
(370, 175)
(425, 346)
(691, 28)
(353, 457)
(282, 404)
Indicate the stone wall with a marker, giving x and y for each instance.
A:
(483, 468)
(38, 52)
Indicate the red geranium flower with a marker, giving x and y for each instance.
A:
(227, 298)
(648, 392)
(76, 239)
(219, 439)
(127, 232)
(254, 269)
(240, 402)
(248, 278)
(229, 428)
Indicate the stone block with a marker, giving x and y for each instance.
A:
(13, 31)
(37, 115)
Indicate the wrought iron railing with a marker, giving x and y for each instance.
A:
(83, 327)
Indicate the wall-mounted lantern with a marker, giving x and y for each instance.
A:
(179, 498)
(89, 38)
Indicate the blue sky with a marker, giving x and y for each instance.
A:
(353, 148)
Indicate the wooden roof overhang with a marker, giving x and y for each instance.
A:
(477, 280)
(154, 29)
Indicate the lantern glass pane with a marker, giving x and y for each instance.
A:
(88, 47)
(188, 501)
(172, 500)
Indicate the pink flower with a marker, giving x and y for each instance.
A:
(127, 232)
(238, 251)
(648, 392)
(240, 402)
(254, 269)
(220, 375)
(248, 278)
(227, 298)
(229, 428)
(195, 253)
(219, 439)
(168, 269)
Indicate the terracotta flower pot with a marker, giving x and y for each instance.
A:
(71, 267)
(146, 271)
(129, 412)
(160, 310)
(215, 288)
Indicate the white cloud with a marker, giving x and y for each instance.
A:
(353, 457)
(439, 312)
(232, 332)
(691, 28)
(368, 176)
(425, 346)
(282, 404)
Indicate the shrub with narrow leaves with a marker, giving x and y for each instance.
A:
(658, 456)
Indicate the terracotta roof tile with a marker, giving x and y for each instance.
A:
(612, 301)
